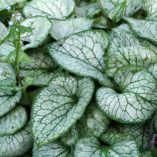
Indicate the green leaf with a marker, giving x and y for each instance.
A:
(59, 106)
(60, 29)
(97, 122)
(58, 9)
(83, 54)
(4, 4)
(146, 29)
(13, 121)
(126, 51)
(16, 144)
(23, 58)
(91, 147)
(132, 101)
(41, 68)
(55, 149)
(40, 29)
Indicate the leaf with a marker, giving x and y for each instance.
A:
(150, 6)
(40, 29)
(125, 131)
(128, 9)
(88, 10)
(91, 147)
(4, 4)
(3, 31)
(13, 121)
(7, 75)
(132, 100)
(41, 68)
(83, 54)
(5, 49)
(126, 51)
(117, 13)
(71, 137)
(16, 144)
(58, 9)
(60, 29)
(8, 100)
(55, 149)
(59, 106)
(146, 29)
(97, 122)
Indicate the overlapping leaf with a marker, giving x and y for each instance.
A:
(40, 69)
(58, 9)
(53, 149)
(13, 121)
(127, 52)
(116, 9)
(91, 147)
(59, 106)
(83, 54)
(40, 29)
(60, 29)
(133, 99)
(97, 122)
(17, 144)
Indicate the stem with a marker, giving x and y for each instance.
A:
(17, 61)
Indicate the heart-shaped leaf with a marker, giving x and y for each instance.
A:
(13, 121)
(134, 98)
(60, 29)
(59, 106)
(91, 147)
(146, 29)
(40, 29)
(83, 54)
(126, 51)
(17, 144)
(3, 31)
(58, 9)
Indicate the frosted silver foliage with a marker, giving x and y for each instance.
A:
(51, 150)
(127, 52)
(17, 144)
(58, 9)
(13, 121)
(115, 9)
(58, 107)
(60, 29)
(91, 147)
(40, 69)
(134, 99)
(40, 29)
(83, 54)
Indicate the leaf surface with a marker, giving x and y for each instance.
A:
(59, 106)
(83, 54)
(58, 9)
